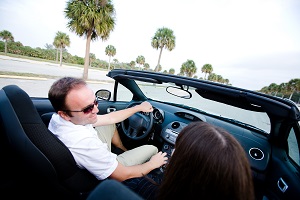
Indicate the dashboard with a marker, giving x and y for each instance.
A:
(172, 120)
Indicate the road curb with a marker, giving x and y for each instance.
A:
(22, 77)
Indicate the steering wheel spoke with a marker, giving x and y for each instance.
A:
(146, 123)
(132, 132)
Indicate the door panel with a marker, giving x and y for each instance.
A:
(110, 106)
(283, 179)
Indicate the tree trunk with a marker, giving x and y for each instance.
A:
(5, 48)
(60, 56)
(291, 95)
(56, 55)
(108, 63)
(157, 66)
(87, 56)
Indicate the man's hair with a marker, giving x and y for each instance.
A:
(60, 89)
(208, 163)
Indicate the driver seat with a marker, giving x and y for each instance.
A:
(39, 163)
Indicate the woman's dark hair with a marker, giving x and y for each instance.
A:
(208, 163)
(60, 89)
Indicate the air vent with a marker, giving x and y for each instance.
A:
(256, 154)
(175, 125)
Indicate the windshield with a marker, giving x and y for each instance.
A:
(158, 92)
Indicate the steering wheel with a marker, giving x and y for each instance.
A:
(139, 125)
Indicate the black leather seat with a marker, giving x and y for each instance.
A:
(39, 162)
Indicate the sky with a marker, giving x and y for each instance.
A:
(252, 43)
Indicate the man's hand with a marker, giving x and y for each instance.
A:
(159, 159)
(122, 172)
(145, 107)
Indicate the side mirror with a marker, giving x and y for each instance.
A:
(103, 94)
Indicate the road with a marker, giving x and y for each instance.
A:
(38, 87)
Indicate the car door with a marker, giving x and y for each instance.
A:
(119, 99)
(110, 106)
(283, 178)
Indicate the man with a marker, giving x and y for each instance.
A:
(89, 136)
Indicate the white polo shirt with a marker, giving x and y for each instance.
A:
(88, 150)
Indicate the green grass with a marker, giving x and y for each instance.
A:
(44, 60)
(37, 59)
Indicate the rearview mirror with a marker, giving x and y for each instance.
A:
(176, 91)
(103, 94)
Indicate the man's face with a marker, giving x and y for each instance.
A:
(77, 100)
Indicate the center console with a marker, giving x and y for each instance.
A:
(169, 134)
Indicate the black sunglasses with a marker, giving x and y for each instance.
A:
(87, 109)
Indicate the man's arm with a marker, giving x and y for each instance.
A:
(118, 116)
(123, 173)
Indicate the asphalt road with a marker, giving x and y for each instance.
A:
(38, 87)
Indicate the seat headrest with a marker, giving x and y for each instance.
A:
(22, 104)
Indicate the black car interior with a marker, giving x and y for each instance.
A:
(36, 155)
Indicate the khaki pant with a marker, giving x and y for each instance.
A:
(131, 157)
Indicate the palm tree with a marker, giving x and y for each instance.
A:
(140, 60)
(146, 66)
(206, 69)
(293, 86)
(61, 40)
(48, 46)
(282, 89)
(212, 77)
(264, 90)
(56, 45)
(188, 68)
(172, 71)
(159, 68)
(116, 63)
(273, 88)
(163, 38)
(220, 79)
(110, 51)
(226, 81)
(91, 19)
(132, 64)
(92, 59)
(6, 36)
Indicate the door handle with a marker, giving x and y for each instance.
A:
(282, 185)
(111, 109)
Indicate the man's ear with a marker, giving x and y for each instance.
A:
(64, 115)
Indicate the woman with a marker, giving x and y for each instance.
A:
(208, 163)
